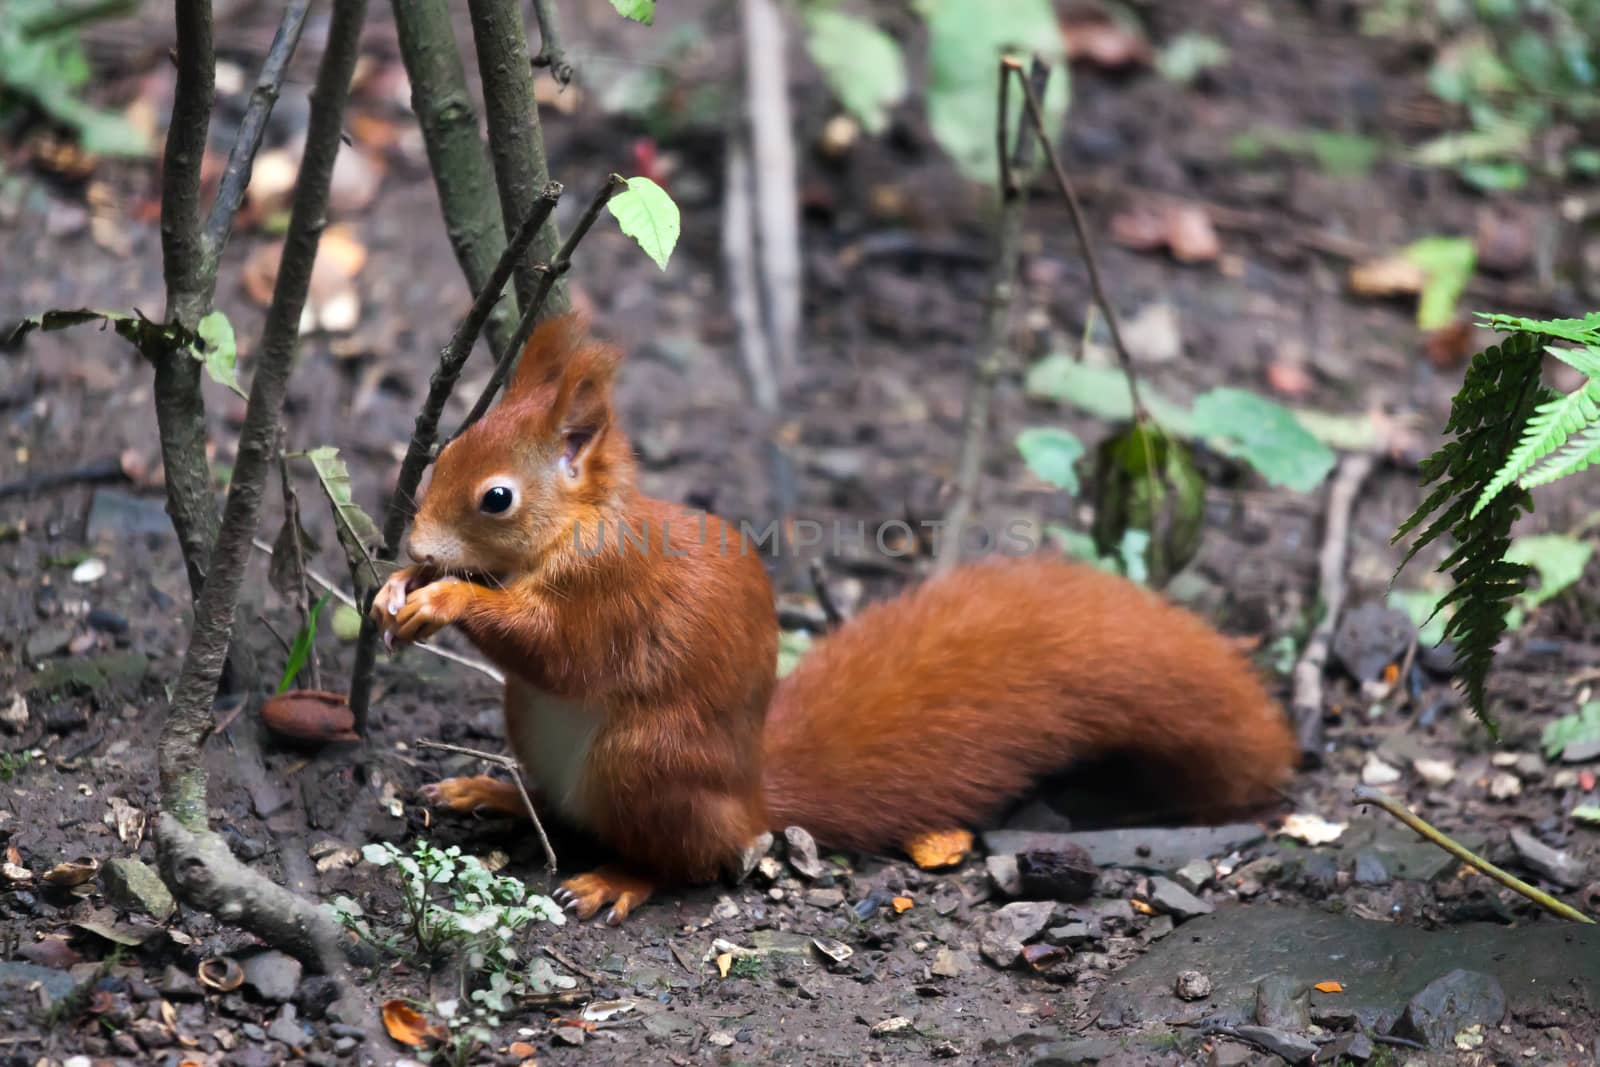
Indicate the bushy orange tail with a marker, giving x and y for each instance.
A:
(935, 709)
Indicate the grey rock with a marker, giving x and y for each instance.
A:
(287, 1028)
(117, 514)
(273, 975)
(1067, 874)
(1279, 1004)
(1069, 934)
(1075, 1053)
(46, 641)
(132, 886)
(1194, 875)
(1115, 916)
(1406, 856)
(824, 898)
(1006, 931)
(1172, 899)
(1347, 1048)
(17, 978)
(1448, 1005)
(1192, 985)
(1145, 849)
(1231, 1054)
(1369, 869)
(1370, 637)
(950, 963)
(177, 984)
(1003, 873)
(1293, 1047)
(752, 856)
(1552, 864)
(803, 852)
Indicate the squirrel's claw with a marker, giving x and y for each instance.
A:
(586, 894)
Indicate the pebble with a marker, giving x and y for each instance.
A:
(1437, 773)
(1505, 786)
(824, 898)
(1069, 934)
(803, 852)
(287, 1029)
(1376, 772)
(1295, 1048)
(1192, 985)
(133, 886)
(1369, 869)
(949, 964)
(892, 1025)
(1013, 926)
(273, 975)
(1194, 875)
(1004, 874)
(1552, 864)
(89, 571)
(1278, 1006)
(1448, 1005)
(1172, 899)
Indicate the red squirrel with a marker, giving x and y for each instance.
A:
(639, 644)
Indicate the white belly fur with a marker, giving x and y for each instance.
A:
(551, 736)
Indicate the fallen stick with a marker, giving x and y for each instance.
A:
(510, 764)
(1367, 795)
(1306, 704)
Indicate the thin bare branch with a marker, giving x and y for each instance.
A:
(419, 452)
(509, 763)
(551, 54)
(777, 198)
(542, 294)
(302, 592)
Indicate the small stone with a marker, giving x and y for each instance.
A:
(1231, 1054)
(1528, 766)
(1004, 874)
(273, 975)
(769, 869)
(949, 964)
(752, 856)
(1194, 875)
(1069, 934)
(287, 1029)
(824, 898)
(1565, 778)
(891, 1026)
(132, 886)
(1279, 1006)
(1552, 864)
(107, 622)
(1057, 874)
(1376, 772)
(1172, 899)
(1437, 773)
(89, 571)
(1192, 985)
(803, 852)
(1369, 869)
(724, 909)
(720, 1038)
(1295, 1048)
(177, 984)
(1505, 786)
(1115, 915)
(46, 641)
(14, 713)
(1448, 1005)
(570, 1035)
(1013, 926)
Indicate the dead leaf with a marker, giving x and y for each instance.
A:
(407, 1025)
(125, 934)
(1289, 379)
(310, 715)
(1504, 240)
(1142, 228)
(1449, 346)
(272, 180)
(1191, 236)
(1105, 43)
(724, 962)
(51, 950)
(1312, 829)
(1141, 907)
(1328, 987)
(72, 873)
(941, 849)
(1390, 276)
(902, 904)
(356, 179)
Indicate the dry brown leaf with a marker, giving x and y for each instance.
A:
(1504, 240)
(724, 961)
(902, 904)
(1389, 276)
(1449, 346)
(1328, 987)
(944, 849)
(1289, 379)
(1190, 234)
(407, 1025)
(1141, 228)
(310, 715)
(221, 973)
(1141, 907)
(72, 873)
(272, 180)
(1105, 43)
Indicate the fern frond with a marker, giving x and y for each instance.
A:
(1489, 416)
(1548, 429)
(1580, 452)
(1584, 331)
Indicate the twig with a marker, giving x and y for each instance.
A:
(326, 584)
(288, 647)
(461, 174)
(1035, 114)
(819, 584)
(509, 763)
(100, 472)
(252, 128)
(551, 54)
(1367, 795)
(534, 309)
(424, 434)
(516, 142)
(777, 205)
(196, 860)
(1306, 704)
(291, 512)
(1002, 288)
(572, 965)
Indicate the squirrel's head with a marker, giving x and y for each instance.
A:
(538, 471)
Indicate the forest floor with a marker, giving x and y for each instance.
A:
(896, 258)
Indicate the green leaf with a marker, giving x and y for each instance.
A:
(49, 68)
(862, 64)
(300, 650)
(346, 622)
(358, 534)
(218, 351)
(1581, 727)
(1264, 434)
(1189, 55)
(147, 336)
(1131, 552)
(1585, 815)
(966, 39)
(1549, 428)
(647, 214)
(1559, 561)
(1494, 176)
(1052, 454)
(792, 645)
(1584, 331)
(637, 10)
(1447, 264)
(1342, 155)
(1145, 479)
(1099, 391)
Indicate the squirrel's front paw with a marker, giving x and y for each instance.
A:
(428, 610)
(390, 598)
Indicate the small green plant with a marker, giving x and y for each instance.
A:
(12, 764)
(1509, 434)
(43, 66)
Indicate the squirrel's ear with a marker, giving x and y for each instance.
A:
(551, 344)
(582, 404)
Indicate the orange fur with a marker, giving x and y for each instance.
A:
(643, 666)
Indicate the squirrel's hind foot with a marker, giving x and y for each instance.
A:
(588, 893)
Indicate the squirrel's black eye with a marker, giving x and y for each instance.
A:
(496, 500)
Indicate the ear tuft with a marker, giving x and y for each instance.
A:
(551, 344)
(568, 373)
